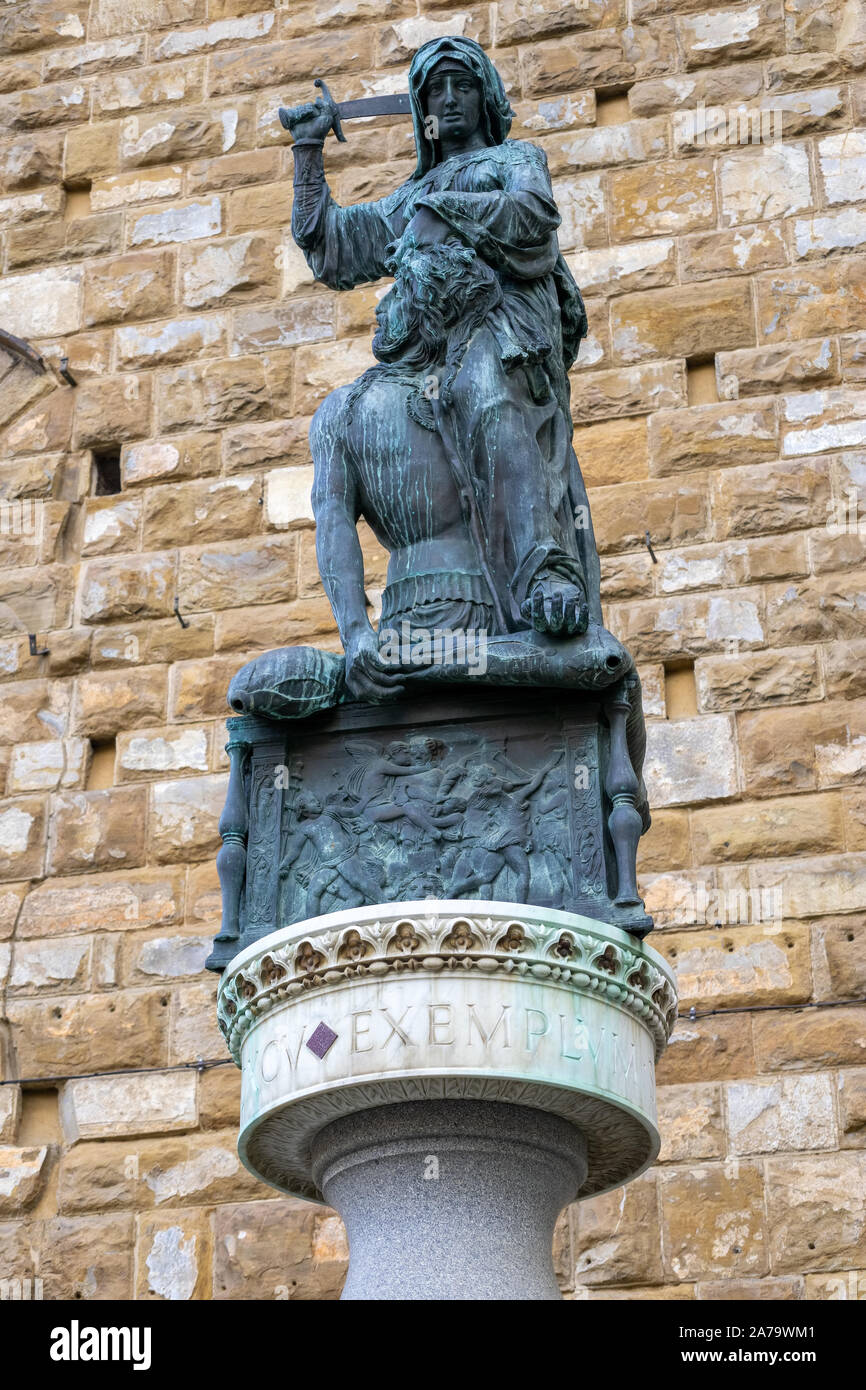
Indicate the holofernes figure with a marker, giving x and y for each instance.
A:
(456, 446)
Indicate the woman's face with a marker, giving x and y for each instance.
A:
(453, 97)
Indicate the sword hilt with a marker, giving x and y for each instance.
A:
(335, 124)
(286, 113)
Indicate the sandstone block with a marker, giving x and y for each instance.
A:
(786, 1113)
(800, 1041)
(237, 574)
(219, 1098)
(138, 286)
(805, 302)
(673, 196)
(633, 142)
(125, 588)
(730, 1234)
(22, 837)
(753, 31)
(283, 325)
(581, 203)
(752, 371)
(176, 458)
(155, 752)
(639, 265)
(816, 1208)
(745, 249)
(22, 1177)
(759, 185)
(720, 86)
(184, 817)
(742, 964)
(594, 59)
(173, 341)
(47, 765)
(122, 16)
(151, 959)
(148, 86)
(771, 497)
(199, 688)
(145, 185)
(42, 303)
(91, 152)
(100, 1032)
(232, 170)
(260, 205)
(707, 1049)
(842, 162)
(617, 1239)
(89, 1257)
(790, 825)
(606, 395)
(690, 760)
(36, 602)
(712, 436)
(666, 846)
(228, 271)
(690, 1123)
(757, 678)
(815, 421)
(97, 830)
(110, 410)
(288, 496)
(682, 321)
(184, 133)
(852, 1108)
(844, 230)
(672, 513)
(108, 1107)
(271, 442)
(263, 1247)
(612, 452)
(59, 966)
(110, 701)
(821, 608)
(111, 523)
(208, 510)
(687, 625)
(813, 887)
(194, 1031)
(103, 902)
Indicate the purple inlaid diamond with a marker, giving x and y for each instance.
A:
(323, 1038)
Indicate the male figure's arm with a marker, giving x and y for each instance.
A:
(341, 566)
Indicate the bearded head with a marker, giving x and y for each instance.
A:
(437, 291)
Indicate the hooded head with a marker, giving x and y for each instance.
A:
(496, 112)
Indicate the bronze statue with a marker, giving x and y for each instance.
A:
(456, 448)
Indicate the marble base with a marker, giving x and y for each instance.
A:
(426, 1001)
(452, 1199)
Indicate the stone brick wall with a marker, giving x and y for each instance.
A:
(145, 195)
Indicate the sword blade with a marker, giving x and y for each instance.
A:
(375, 106)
